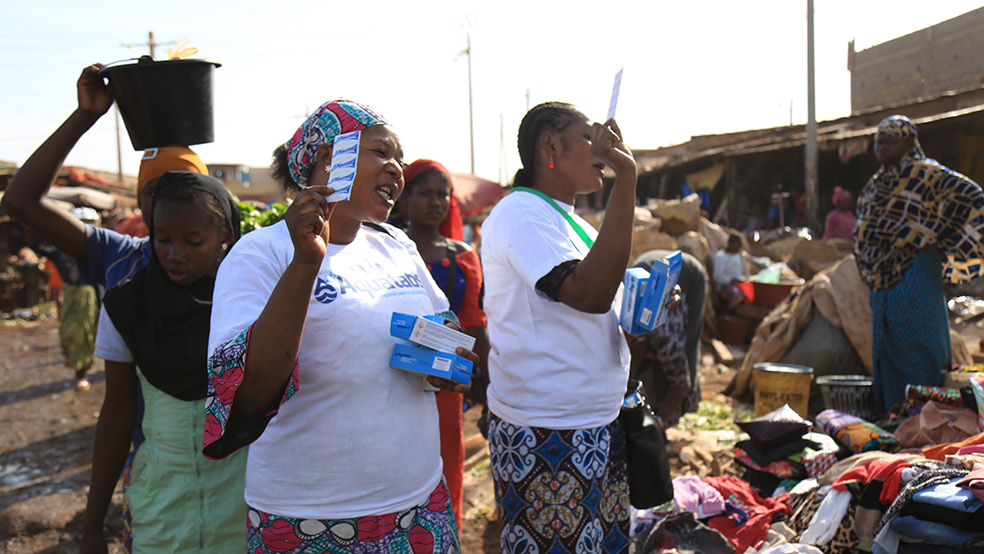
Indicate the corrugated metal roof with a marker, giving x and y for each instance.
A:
(781, 138)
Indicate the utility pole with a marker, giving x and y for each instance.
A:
(812, 150)
(471, 121)
(151, 45)
(119, 146)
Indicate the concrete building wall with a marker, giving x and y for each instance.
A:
(920, 65)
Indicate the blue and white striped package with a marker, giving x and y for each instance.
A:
(344, 159)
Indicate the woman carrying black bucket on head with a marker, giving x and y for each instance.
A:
(104, 257)
(153, 335)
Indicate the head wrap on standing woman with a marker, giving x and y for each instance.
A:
(917, 203)
(452, 225)
(840, 193)
(327, 122)
(166, 325)
(158, 161)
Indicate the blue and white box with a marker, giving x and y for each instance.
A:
(428, 332)
(425, 361)
(662, 278)
(633, 297)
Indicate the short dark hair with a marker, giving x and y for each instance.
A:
(280, 171)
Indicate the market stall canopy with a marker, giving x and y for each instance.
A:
(475, 193)
(84, 196)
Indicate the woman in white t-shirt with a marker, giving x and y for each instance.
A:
(559, 361)
(344, 450)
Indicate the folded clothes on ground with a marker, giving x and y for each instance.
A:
(912, 529)
(780, 452)
(775, 428)
(855, 433)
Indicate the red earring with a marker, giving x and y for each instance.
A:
(551, 166)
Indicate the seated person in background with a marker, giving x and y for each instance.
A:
(665, 359)
(840, 220)
(729, 272)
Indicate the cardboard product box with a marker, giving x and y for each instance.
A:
(425, 361)
(427, 331)
(633, 297)
(662, 278)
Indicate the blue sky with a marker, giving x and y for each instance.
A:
(691, 68)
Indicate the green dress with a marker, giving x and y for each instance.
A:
(180, 500)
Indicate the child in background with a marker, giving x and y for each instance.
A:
(435, 226)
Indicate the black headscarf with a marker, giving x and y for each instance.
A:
(166, 325)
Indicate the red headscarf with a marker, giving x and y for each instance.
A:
(451, 226)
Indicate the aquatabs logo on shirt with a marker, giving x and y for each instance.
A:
(327, 289)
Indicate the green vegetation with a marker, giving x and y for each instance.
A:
(251, 218)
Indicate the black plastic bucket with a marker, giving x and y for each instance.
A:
(164, 103)
(851, 394)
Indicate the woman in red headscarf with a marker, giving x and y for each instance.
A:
(840, 220)
(436, 228)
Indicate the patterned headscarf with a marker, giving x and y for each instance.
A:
(901, 127)
(913, 204)
(330, 120)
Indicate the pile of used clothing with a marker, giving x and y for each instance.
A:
(838, 483)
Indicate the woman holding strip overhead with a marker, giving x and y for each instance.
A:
(559, 361)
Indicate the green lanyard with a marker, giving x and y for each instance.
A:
(577, 228)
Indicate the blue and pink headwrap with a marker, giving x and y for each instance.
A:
(330, 120)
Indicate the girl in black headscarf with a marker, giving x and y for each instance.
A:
(158, 323)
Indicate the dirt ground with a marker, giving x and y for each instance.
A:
(46, 434)
(47, 429)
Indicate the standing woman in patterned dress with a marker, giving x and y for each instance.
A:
(559, 361)
(435, 227)
(919, 224)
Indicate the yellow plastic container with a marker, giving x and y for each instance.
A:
(778, 384)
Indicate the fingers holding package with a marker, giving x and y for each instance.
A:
(448, 384)
(308, 222)
(607, 145)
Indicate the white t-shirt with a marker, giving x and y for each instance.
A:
(550, 366)
(728, 266)
(109, 343)
(359, 437)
